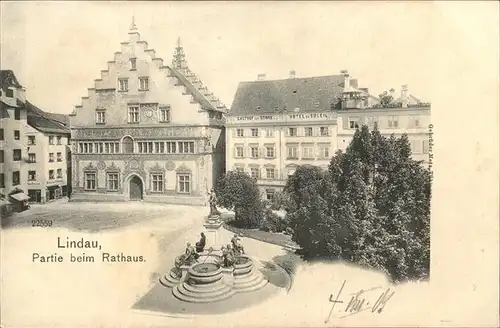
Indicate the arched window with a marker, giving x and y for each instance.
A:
(127, 145)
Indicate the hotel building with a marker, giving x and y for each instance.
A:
(276, 125)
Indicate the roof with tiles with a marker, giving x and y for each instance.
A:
(309, 94)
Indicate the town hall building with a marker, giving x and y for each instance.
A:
(147, 131)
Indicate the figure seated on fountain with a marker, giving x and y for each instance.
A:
(200, 246)
(191, 255)
(227, 257)
(237, 245)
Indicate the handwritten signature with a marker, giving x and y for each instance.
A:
(360, 301)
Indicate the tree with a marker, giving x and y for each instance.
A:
(370, 208)
(239, 191)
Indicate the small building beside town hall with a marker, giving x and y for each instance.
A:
(49, 163)
(274, 126)
(147, 131)
(34, 161)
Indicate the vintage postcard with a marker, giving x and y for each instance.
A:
(249, 164)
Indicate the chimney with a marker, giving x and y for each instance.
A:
(261, 77)
(347, 81)
(292, 74)
(404, 95)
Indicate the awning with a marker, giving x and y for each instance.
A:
(20, 196)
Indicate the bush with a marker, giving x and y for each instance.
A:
(272, 222)
(239, 192)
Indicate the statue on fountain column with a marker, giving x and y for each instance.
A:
(213, 203)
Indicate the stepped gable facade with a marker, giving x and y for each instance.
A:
(147, 131)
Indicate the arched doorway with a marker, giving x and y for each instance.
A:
(135, 188)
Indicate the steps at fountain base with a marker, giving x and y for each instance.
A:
(251, 281)
(169, 280)
(183, 294)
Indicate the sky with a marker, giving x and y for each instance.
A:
(57, 49)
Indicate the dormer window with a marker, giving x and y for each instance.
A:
(143, 83)
(133, 62)
(9, 93)
(123, 84)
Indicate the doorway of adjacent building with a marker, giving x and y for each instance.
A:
(135, 188)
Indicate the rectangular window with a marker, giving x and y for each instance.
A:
(133, 63)
(254, 172)
(159, 147)
(425, 146)
(171, 147)
(16, 155)
(239, 152)
(354, 123)
(269, 133)
(393, 122)
(239, 133)
(51, 140)
(51, 174)
(164, 114)
(17, 114)
(59, 156)
(31, 175)
(372, 122)
(416, 146)
(31, 140)
(184, 182)
(255, 132)
(100, 116)
(2, 180)
(1, 134)
(270, 194)
(324, 131)
(292, 132)
(59, 173)
(133, 114)
(270, 152)
(17, 135)
(414, 121)
(255, 152)
(291, 152)
(16, 178)
(307, 152)
(308, 132)
(157, 182)
(240, 169)
(143, 83)
(123, 84)
(270, 173)
(324, 151)
(112, 179)
(59, 139)
(51, 157)
(186, 147)
(1, 156)
(90, 181)
(32, 157)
